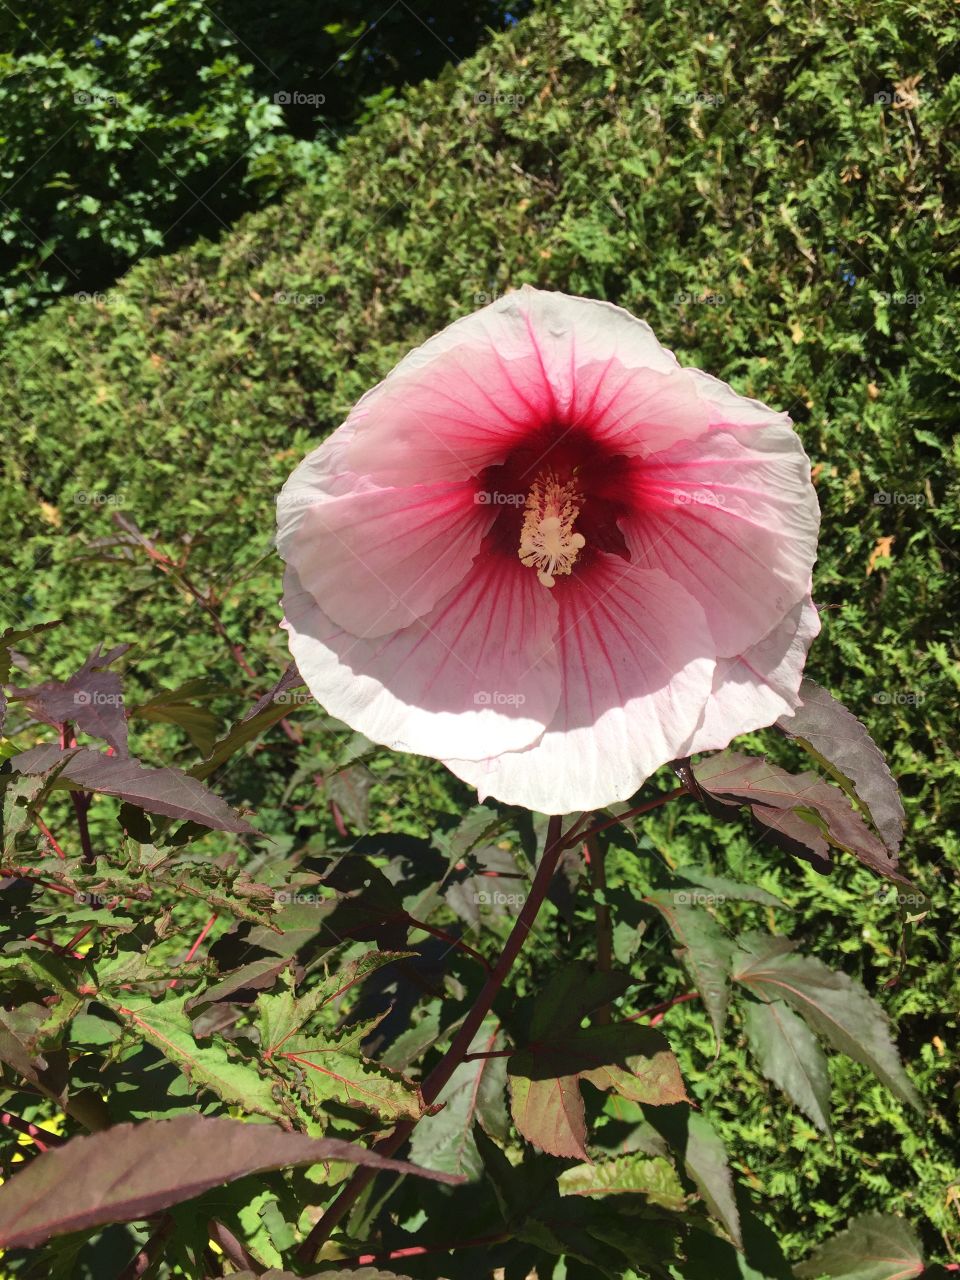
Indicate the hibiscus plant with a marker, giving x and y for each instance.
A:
(549, 556)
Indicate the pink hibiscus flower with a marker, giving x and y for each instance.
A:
(544, 553)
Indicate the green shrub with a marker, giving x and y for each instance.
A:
(131, 129)
(776, 192)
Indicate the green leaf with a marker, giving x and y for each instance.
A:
(179, 707)
(545, 1072)
(474, 1094)
(334, 1070)
(134, 1170)
(788, 1054)
(705, 950)
(653, 1177)
(165, 1025)
(282, 1015)
(273, 706)
(874, 1246)
(839, 742)
(834, 1005)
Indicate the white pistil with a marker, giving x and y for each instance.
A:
(548, 542)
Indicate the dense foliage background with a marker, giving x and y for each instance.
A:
(775, 191)
(130, 129)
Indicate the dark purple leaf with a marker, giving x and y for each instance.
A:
(820, 811)
(130, 1171)
(835, 1005)
(168, 791)
(92, 699)
(837, 739)
(546, 1071)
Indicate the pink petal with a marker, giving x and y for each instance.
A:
(753, 690)
(531, 359)
(636, 664)
(476, 675)
(727, 408)
(733, 517)
(380, 558)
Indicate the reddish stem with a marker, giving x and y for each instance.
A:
(453, 941)
(50, 836)
(41, 1137)
(193, 950)
(656, 1012)
(434, 1084)
(655, 803)
(418, 1250)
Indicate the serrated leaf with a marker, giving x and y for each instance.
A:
(335, 1071)
(271, 708)
(874, 1246)
(132, 1171)
(835, 1005)
(92, 699)
(803, 806)
(164, 1024)
(705, 951)
(545, 1072)
(282, 1015)
(168, 791)
(704, 1157)
(787, 1053)
(838, 740)
(653, 1177)
(475, 1093)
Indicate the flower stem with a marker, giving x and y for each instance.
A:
(460, 1046)
(655, 803)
